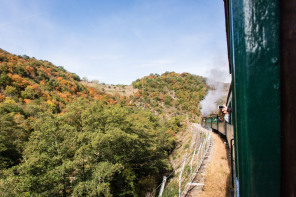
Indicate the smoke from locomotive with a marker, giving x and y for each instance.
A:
(209, 104)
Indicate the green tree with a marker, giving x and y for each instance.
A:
(11, 91)
(4, 80)
(13, 134)
(28, 93)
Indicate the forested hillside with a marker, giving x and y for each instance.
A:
(60, 137)
(27, 80)
(172, 93)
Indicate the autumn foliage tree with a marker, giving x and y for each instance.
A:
(61, 137)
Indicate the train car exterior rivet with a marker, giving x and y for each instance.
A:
(274, 60)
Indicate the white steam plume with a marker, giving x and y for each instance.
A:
(209, 104)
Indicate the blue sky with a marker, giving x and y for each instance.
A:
(118, 41)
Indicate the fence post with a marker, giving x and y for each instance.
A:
(162, 186)
(197, 157)
(180, 176)
(191, 162)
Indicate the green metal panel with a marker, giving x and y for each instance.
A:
(209, 122)
(233, 103)
(256, 94)
(214, 122)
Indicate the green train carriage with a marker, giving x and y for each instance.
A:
(261, 132)
(261, 49)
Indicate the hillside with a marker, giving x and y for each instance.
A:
(60, 137)
(26, 79)
(64, 137)
(172, 94)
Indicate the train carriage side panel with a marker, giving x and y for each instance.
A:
(255, 67)
(209, 122)
(214, 122)
(221, 126)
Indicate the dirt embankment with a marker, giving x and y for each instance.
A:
(185, 142)
(123, 90)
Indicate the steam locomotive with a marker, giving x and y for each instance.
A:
(261, 40)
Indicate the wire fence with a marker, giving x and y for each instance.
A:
(189, 169)
(153, 193)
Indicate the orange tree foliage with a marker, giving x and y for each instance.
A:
(41, 82)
